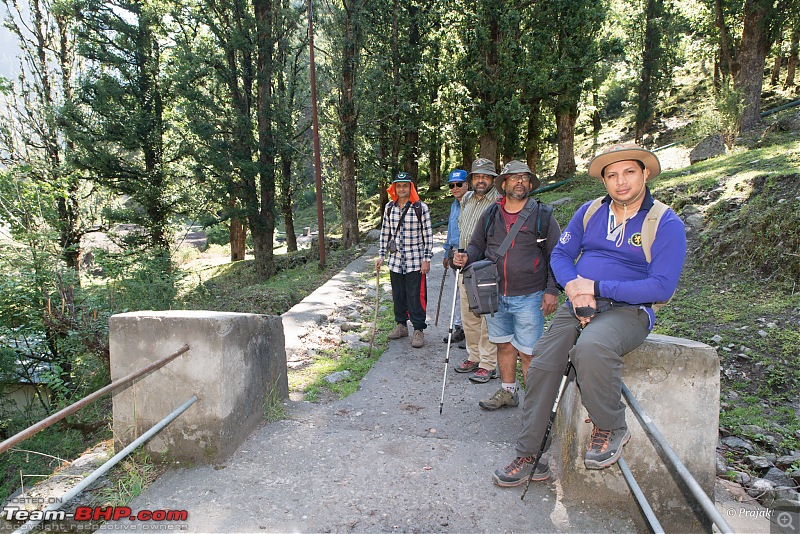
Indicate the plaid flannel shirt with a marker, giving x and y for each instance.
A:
(414, 240)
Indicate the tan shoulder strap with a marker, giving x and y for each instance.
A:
(650, 227)
(593, 207)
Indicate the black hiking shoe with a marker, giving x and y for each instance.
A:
(458, 335)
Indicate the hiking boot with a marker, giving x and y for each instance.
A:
(458, 335)
(466, 366)
(463, 344)
(518, 471)
(399, 331)
(481, 375)
(500, 398)
(605, 447)
(418, 340)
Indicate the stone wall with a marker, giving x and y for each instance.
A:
(676, 382)
(234, 362)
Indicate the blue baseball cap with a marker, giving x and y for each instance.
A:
(457, 176)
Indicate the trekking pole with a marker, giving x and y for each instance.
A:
(439, 304)
(375, 319)
(449, 336)
(582, 312)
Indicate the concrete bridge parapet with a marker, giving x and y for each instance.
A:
(676, 382)
(234, 362)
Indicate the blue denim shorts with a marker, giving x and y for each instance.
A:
(518, 321)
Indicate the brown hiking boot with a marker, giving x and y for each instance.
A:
(399, 331)
(500, 398)
(418, 340)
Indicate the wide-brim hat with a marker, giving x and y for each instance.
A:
(482, 166)
(624, 152)
(516, 167)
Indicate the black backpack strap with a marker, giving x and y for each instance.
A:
(418, 210)
(402, 216)
(490, 219)
(543, 228)
(512, 233)
(543, 223)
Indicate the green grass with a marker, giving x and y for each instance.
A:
(128, 479)
(274, 409)
(235, 287)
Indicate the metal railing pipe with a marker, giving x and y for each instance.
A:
(72, 408)
(641, 500)
(103, 469)
(657, 438)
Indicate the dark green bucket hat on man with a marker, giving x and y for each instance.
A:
(516, 167)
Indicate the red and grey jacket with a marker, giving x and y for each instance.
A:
(523, 270)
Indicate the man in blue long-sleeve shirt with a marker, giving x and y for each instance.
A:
(457, 181)
(602, 263)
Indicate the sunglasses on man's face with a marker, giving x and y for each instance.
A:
(455, 184)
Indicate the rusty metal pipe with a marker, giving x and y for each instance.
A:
(72, 408)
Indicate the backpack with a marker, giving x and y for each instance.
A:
(649, 229)
(481, 279)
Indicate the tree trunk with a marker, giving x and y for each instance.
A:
(264, 231)
(152, 105)
(237, 233)
(727, 66)
(777, 62)
(69, 213)
(348, 118)
(286, 202)
(756, 42)
(384, 157)
(467, 150)
(650, 57)
(286, 98)
(238, 238)
(533, 137)
(791, 65)
(434, 163)
(411, 164)
(566, 116)
(489, 147)
(776, 69)
(597, 123)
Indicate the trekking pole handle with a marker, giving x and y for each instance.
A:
(460, 251)
(585, 311)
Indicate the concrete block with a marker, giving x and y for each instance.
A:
(676, 382)
(234, 361)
